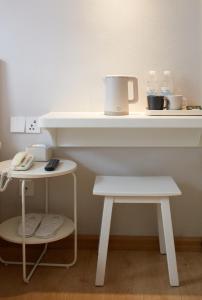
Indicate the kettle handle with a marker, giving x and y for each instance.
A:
(135, 89)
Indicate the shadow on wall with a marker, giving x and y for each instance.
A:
(4, 111)
(183, 164)
(89, 206)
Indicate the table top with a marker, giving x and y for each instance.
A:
(37, 170)
(135, 186)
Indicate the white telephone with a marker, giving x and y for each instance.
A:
(22, 161)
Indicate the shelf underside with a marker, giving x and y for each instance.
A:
(126, 137)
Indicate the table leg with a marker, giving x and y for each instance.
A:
(160, 230)
(104, 241)
(46, 196)
(23, 232)
(169, 242)
(75, 220)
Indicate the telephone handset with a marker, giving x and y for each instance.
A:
(22, 161)
(4, 180)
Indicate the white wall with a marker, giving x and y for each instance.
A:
(53, 56)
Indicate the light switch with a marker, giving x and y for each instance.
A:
(17, 124)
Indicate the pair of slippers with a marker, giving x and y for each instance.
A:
(41, 226)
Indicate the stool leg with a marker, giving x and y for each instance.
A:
(160, 231)
(169, 242)
(104, 241)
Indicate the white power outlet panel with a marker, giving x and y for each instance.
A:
(29, 188)
(32, 125)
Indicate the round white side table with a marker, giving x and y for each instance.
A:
(8, 229)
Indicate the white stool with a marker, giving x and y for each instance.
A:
(118, 189)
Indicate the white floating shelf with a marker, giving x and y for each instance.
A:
(8, 232)
(99, 120)
(94, 129)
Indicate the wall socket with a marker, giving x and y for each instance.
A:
(32, 125)
(29, 188)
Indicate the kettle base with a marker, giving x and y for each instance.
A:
(118, 113)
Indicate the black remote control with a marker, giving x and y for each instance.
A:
(52, 164)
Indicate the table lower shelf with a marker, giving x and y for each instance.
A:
(8, 232)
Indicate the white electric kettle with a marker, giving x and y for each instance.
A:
(120, 91)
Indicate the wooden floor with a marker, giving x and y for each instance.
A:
(130, 275)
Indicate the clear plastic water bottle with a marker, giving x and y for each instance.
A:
(152, 84)
(167, 85)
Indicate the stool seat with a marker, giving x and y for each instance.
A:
(135, 186)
